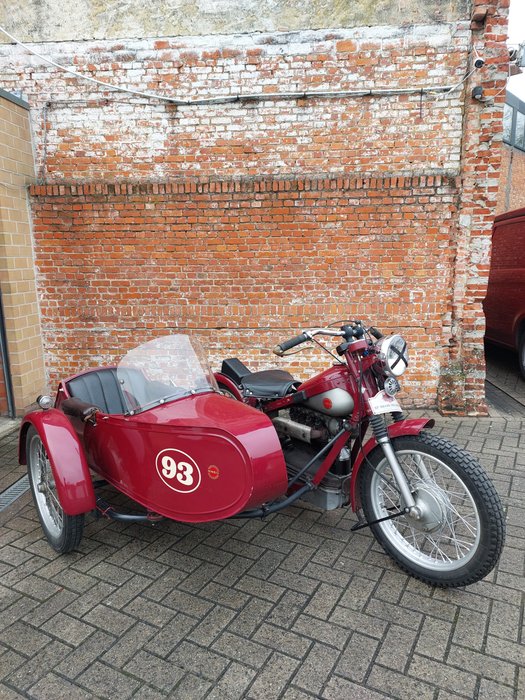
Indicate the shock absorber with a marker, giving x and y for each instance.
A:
(379, 428)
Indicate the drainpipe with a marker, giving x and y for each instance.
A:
(5, 364)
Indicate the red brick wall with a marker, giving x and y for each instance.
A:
(244, 265)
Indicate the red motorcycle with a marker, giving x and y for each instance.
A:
(430, 504)
(158, 428)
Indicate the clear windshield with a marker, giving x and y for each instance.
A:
(162, 370)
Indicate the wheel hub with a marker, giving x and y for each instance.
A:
(431, 502)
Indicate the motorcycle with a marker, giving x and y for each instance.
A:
(162, 429)
(429, 504)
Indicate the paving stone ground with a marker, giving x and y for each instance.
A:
(293, 607)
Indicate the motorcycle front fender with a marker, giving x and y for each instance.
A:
(66, 456)
(413, 426)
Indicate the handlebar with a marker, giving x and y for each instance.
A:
(281, 348)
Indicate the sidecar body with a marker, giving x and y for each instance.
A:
(156, 428)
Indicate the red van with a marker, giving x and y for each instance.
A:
(504, 304)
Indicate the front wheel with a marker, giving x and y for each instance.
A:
(460, 533)
(63, 531)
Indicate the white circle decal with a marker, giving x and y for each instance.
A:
(178, 470)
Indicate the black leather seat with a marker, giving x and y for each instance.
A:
(269, 383)
(100, 388)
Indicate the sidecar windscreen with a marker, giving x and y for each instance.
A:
(169, 368)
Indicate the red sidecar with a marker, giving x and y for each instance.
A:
(155, 428)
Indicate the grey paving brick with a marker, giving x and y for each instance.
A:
(38, 666)
(393, 613)
(355, 662)
(397, 647)
(249, 652)
(233, 684)
(68, 629)
(323, 602)
(224, 595)
(399, 685)
(352, 620)
(286, 611)
(273, 678)
(110, 620)
(200, 662)
(9, 661)
(125, 593)
(85, 654)
(127, 645)
(250, 617)
(191, 687)
(339, 688)
(163, 641)
(511, 651)
(434, 638)
(24, 638)
(288, 643)
(357, 593)
(504, 621)
(106, 682)
(481, 664)
(321, 631)
(88, 600)
(492, 690)
(149, 611)
(211, 625)
(54, 686)
(260, 588)
(441, 675)
(155, 671)
(315, 669)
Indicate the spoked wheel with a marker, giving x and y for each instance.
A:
(460, 533)
(63, 531)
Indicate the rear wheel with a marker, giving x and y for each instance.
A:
(63, 531)
(459, 536)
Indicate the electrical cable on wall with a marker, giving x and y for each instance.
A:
(260, 97)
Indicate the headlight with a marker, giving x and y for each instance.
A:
(392, 355)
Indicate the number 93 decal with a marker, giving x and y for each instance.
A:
(178, 470)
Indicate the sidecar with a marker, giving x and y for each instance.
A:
(156, 428)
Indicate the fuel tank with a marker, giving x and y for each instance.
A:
(200, 458)
(329, 392)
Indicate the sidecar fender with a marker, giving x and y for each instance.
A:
(405, 427)
(228, 384)
(66, 456)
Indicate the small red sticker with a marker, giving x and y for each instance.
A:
(213, 471)
(327, 403)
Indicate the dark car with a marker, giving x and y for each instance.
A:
(504, 304)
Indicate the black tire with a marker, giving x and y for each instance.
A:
(63, 532)
(459, 539)
(521, 353)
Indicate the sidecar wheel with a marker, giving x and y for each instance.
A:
(460, 535)
(63, 532)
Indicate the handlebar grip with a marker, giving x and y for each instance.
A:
(290, 343)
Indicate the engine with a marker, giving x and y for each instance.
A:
(303, 434)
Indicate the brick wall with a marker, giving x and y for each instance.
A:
(118, 263)
(17, 267)
(271, 231)
(512, 182)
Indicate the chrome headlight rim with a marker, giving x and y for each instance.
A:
(392, 353)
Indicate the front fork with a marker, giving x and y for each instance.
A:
(381, 435)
